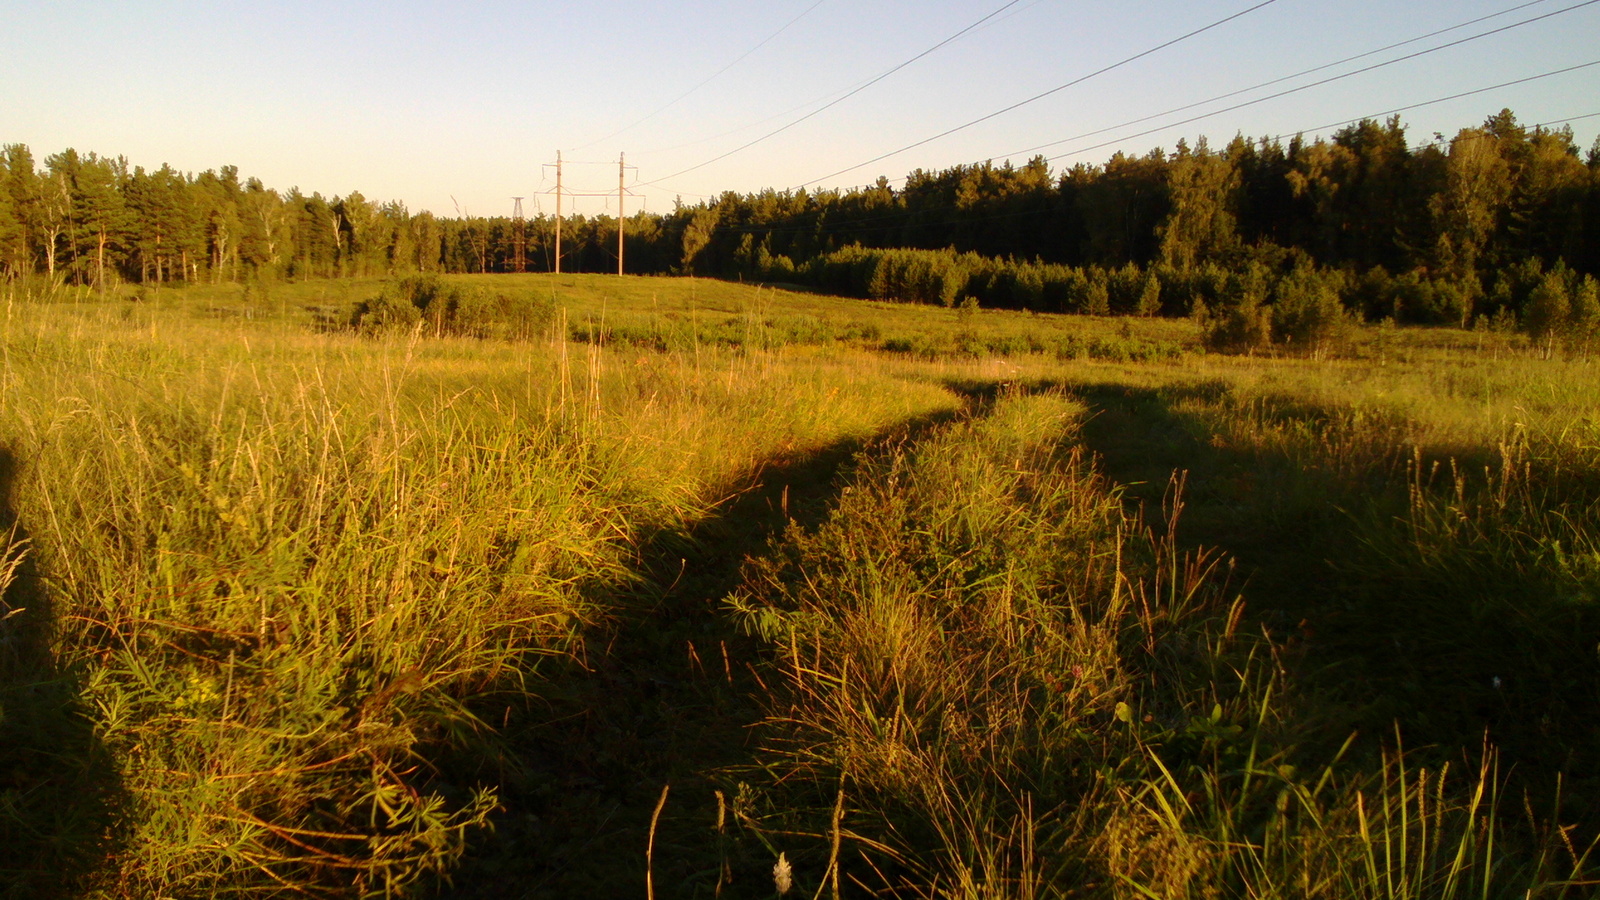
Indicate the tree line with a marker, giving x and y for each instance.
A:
(1439, 225)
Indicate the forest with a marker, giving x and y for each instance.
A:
(1442, 232)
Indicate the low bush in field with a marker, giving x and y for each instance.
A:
(447, 308)
(972, 345)
(1299, 311)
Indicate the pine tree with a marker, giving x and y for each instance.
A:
(1201, 225)
(1549, 308)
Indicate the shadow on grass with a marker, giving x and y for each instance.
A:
(670, 689)
(1382, 628)
(58, 786)
(666, 697)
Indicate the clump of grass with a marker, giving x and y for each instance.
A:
(1400, 832)
(1488, 587)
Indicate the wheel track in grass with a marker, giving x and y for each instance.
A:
(667, 697)
(657, 705)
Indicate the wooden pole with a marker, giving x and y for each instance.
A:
(622, 186)
(558, 212)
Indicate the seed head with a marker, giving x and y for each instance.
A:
(781, 875)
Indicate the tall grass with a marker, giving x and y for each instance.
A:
(282, 595)
(288, 569)
(274, 586)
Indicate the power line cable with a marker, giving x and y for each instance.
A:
(825, 97)
(848, 95)
(1058, 88)
(1567, 121)
(1254, 87)
(886, 221)
(1315, 84)
(1537, 127)
(1296, 90)
(1400, 109)
(748, 125)
(707, 80)
(881, 223)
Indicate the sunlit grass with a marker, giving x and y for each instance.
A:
(272, 568)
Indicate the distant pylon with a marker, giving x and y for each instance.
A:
(519, 258)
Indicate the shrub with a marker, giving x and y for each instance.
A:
(391, 310)
(1242, 327)
(1097, 302)
(450, 309)
(1549, 306)
(1585, 313)
(1307, 314)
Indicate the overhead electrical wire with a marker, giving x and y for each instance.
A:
(1238, 106)
(1043, 94)
(1283, 93)
(1492, 87)
(1567, 121)
(1537, 127)
(1255, 87)
(748, 125)
(829, 96)
(851, 93)
(707, 80)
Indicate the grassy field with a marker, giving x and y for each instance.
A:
(676, 581)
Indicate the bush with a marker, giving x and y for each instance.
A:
(1150, 297)
(482, 314)
(394, 309)
(454, 310)
(1549, 306)
(1585, 313)
(1097, 302)
(1307, 314)
(1244, 323)
(1242, 327)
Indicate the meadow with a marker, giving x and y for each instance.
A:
(551, 586)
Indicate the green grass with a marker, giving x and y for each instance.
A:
(907, 594)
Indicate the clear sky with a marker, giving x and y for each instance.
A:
(458, 105)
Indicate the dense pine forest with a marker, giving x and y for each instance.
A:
(1500, 222)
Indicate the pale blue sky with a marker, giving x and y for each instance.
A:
(422, 101)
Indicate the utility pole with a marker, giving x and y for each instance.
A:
(622, 195)
(622, 190)
(558, 212)
(519, 238)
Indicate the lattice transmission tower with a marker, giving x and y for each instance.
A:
(519, 237)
